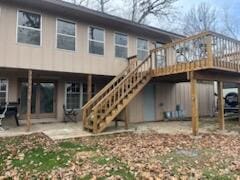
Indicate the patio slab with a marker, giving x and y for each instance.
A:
(60, 130)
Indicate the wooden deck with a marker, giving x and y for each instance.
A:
(206, 56)
(201, 52)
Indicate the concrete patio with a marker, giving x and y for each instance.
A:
(61, 130)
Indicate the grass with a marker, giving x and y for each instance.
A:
(42, 161)
(38, 156)
(214, 175)
(103, 160)
(76, 146)
(122, 169)
(179, 161)
(124, 173)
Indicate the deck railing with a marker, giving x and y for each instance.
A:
(226, 52)
(204, 50)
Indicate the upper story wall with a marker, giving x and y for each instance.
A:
(48, 57)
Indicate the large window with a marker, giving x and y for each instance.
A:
(121, 45)
(96, 40)
(66, 35)
(73, 95)
(29, 28)
(3, 91)
(142, 48)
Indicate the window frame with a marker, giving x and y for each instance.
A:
(119, 45)
(7, 88)
(104, 40)
(142, 49)
(80, 93)
(25, 27)
(56, 36)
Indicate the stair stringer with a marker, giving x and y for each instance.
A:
(110, 118)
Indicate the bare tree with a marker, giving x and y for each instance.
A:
(199, 19)
(141, 9)
(102, 5)
(230, 25)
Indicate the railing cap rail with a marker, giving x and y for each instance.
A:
(149, 56)
(104, 89)
(199, 35)
(108, 85)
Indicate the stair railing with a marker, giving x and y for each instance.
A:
(107, 104)
(87, 108)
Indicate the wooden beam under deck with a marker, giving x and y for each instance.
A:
(29, 100)
(211, 75)
(195, 111)
(89, 87)
(239, 103)
(221, 119)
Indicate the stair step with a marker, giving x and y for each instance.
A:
(106, 120)
(119, 106)
(88, 127)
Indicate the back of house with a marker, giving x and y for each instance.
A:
(73, 52)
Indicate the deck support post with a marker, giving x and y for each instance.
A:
(126, 114)
(239, 103)
(89, 87)
(209, 51)
(195, 111)
(220, 105)
(29, 100)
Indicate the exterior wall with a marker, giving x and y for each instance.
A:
(169, 95)
(48, 57)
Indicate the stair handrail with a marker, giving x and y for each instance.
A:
(110, 83)
(124, 79)
(108, 86)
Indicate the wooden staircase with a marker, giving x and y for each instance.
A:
(207, 51)
(103, 108)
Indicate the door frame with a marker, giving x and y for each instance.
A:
(37, 114)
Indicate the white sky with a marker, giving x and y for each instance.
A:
(182, 6)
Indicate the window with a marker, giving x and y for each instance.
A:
(66, 35)
(121, 45)
(73, 95)
(3, 91)
(160, 56)
(96, 41)
(29, 28)
(142, 48)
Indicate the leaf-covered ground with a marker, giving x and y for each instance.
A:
(125, 156)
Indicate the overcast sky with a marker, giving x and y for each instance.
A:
(232, 5)
(182, 6)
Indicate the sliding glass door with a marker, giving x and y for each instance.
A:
(43, 99)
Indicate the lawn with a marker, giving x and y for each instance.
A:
(124, 156)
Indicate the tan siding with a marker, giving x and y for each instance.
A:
(136, 109)
(48, 57)
(168, 95)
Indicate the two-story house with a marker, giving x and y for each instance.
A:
(69, 53)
